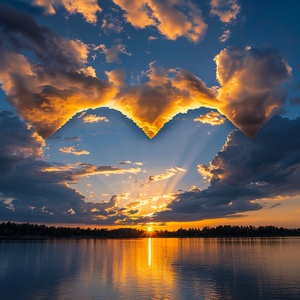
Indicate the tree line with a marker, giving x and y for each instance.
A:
(26, 230)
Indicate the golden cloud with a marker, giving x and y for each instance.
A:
(157, 101)
(226, 10)
(116, 77)
(87, 8)
(73, 150)
(251, 89)
(249, 95)
(82, 169)
(43, 100)
(173, 19)
(94, 119)
(168, 174)
(213, 118)
(48, 93)
(112, 53)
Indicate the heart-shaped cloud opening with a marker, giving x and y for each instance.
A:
(251, 92)
(51, 88)
(156, 102)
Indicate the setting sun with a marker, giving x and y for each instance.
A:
(149, 229)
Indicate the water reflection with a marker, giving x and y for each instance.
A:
(149, 252)
(152, 268)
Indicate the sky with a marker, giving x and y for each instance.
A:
(175, 113)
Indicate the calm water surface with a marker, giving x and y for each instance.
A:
(153, 268)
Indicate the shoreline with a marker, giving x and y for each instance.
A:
(39, 238)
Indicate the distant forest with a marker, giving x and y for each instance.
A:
(27, 231)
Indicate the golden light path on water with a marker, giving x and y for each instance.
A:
(149, 252)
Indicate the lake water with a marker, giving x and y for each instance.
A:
(151, 268)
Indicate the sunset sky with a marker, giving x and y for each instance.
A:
(178, 113)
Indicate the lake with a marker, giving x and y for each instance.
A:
(151, 268)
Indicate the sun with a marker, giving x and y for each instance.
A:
(149, 229)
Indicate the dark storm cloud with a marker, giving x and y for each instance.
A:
(18, 142)
(25, 6)
(20, 31)
(295, 93)
(244, 171)
(34, 190)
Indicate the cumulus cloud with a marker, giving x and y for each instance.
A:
(226, 10)
(88, 8)
(39, 97)
(167, 93)
(94, 119)
(252, 88)
(73, 150)
(244, 174)
(33, 190)
(213, 118)
(112, 53)
(173, 19)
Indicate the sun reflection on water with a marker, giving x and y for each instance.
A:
(149, 252)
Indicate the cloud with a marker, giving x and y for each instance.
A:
(252, 86)
(125, 162)
(295, 97)
(116, 77)
(41, 99)
(251, 81)
(18, 142)
(80, 169)
(226, 10)
(167, 93)
(33, 190)
(111, 25)
(23, 181)
(244, 172)
(173, 19)
(225, 36)
(112, 53)
(73, 150)
(72, 138)
(94, 119)
(168, 174)
(213, 118)
(152, 38)
(88, 8)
